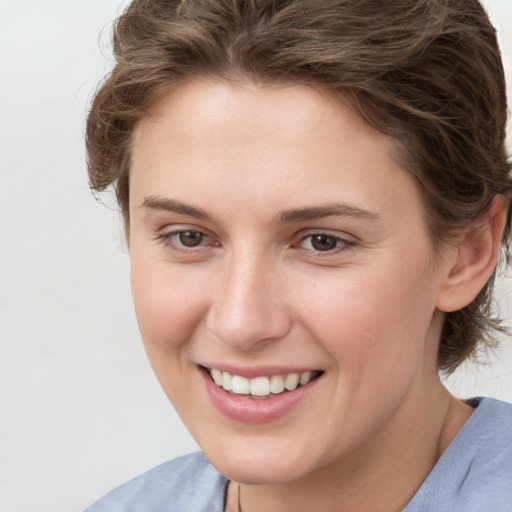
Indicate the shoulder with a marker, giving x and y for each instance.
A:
(188, 483)
(475, 472)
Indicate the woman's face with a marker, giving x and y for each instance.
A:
(274, 238)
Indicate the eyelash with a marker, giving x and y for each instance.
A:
(168, 239)
(342, 244)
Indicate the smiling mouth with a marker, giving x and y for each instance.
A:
(261, 387)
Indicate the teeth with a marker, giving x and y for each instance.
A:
(260, 386)
(291, 381)
(226, 381)
(305, 378)
(216, 376)
(240, 385)
(276, 384)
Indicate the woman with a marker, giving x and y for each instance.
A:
(315, 195)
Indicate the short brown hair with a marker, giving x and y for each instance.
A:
(427, 72)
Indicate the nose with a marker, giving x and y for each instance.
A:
(248, 307)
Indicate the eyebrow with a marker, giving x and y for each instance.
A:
(286, 216)
(161, 203)
(319, 212)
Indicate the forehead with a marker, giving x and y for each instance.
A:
(282, 146)
(216, 99)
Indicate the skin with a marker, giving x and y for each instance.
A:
(255, 291)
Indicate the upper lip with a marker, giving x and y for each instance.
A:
(257, 371)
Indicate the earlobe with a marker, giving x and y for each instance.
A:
(477, 256)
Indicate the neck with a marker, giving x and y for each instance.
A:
(381, 476)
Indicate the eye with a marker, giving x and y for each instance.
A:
(324, 242)
(190, 238)
(185, 240)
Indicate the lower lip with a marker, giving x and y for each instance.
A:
(256, 411)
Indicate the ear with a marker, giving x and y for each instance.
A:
(476, 259)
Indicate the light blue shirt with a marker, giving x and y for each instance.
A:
(473, 475)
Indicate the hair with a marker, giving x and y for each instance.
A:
(426, 72)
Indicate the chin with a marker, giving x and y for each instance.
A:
(258, 464)
(257, 473)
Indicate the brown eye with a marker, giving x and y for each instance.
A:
(324, 242)
(190, 238)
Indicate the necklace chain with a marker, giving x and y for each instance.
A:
(239, 504)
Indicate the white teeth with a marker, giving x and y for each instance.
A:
(305, 378)
(226, 381)
(240, 385)
(276, 384)
(260, 386)
(291, 381)
(216, 376)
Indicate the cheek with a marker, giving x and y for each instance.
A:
(168, 305)
(371, 321)
(169, 309)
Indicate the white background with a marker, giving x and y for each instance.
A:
(80, 410)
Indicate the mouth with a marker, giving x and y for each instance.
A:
(262, 387)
